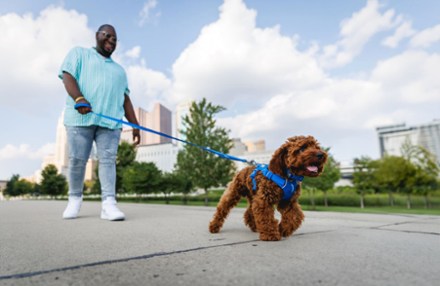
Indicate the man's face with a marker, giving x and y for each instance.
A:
(106, 40)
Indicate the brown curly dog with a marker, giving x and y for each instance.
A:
(301, 156)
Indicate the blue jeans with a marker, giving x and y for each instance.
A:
(80, 141)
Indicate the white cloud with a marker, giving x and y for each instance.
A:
(427, 37)
(405, 30)
(356, 32)
(23, 159)
(25, 151)
(146, 13)
(148, 86)
(33, 48)
(133, 53)
(410, 77)
(234, 61)
(276, 91)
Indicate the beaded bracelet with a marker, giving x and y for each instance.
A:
(79, 98)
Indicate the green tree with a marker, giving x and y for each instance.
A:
(10, 190)
(18, 187)
(23, 187)
(326, 181)
(396, 174)
(205, 169)
(177, 183)
(427, 170)
(141, 178)
(363, 177)
(124, 158)
(96, 185)
(52, 183)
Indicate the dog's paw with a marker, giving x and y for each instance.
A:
(270, 237)
(214, 228)
(285, 231)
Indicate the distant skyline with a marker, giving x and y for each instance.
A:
(332, 69)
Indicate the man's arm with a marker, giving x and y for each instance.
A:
(73, 90)
(131, 117)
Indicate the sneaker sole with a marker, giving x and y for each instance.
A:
(70, 217)
(103, 216)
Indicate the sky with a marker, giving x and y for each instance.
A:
(332, 69)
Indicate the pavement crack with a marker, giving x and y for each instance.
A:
(383, 227)
(407, 231)
(142, 257)
(121, 260)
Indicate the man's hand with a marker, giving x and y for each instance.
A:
(136, 137)
(84, 110)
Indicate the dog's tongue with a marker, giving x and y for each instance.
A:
(312, 168)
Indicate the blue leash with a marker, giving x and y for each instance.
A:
(220, 154)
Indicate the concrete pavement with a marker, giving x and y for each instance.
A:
(171, 245)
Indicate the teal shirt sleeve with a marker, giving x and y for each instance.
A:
(71, 64)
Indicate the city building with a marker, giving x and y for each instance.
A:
(181, 111)
(3, 184)
(160, 119)
(347, 170)
(255, 146)
(61, 156)
(392, 137)
(164, 156)
(251, 151)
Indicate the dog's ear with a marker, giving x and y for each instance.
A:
(296, 138)
(277, 163)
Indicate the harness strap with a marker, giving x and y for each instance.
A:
(289, 186)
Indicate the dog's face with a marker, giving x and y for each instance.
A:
(301, 155)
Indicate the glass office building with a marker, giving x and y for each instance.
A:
(392, 137)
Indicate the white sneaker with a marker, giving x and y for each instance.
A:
(73, 207)
(110, 211)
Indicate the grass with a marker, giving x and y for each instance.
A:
(374, 210)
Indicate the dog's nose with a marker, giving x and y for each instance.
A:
(320, 155)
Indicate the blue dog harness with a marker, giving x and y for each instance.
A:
(289, 185)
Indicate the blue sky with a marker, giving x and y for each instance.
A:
(332, 69)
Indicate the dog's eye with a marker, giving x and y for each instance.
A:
(300, 150)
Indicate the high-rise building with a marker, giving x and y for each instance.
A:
(164, 156)
(181, 111)
(250, 151)
(255, 146)
(61, 159)
(158, 120)
(392, 137)
(61, 156)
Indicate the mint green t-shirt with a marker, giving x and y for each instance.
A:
(102, 82)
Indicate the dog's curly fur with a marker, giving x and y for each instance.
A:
(302, 156)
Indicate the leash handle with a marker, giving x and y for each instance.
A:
(82, 104)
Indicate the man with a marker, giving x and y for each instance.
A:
(93, 80)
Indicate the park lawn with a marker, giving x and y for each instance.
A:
(375, 210)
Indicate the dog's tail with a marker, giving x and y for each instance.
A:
(229, 199)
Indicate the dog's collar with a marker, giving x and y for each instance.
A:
(289, 185)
